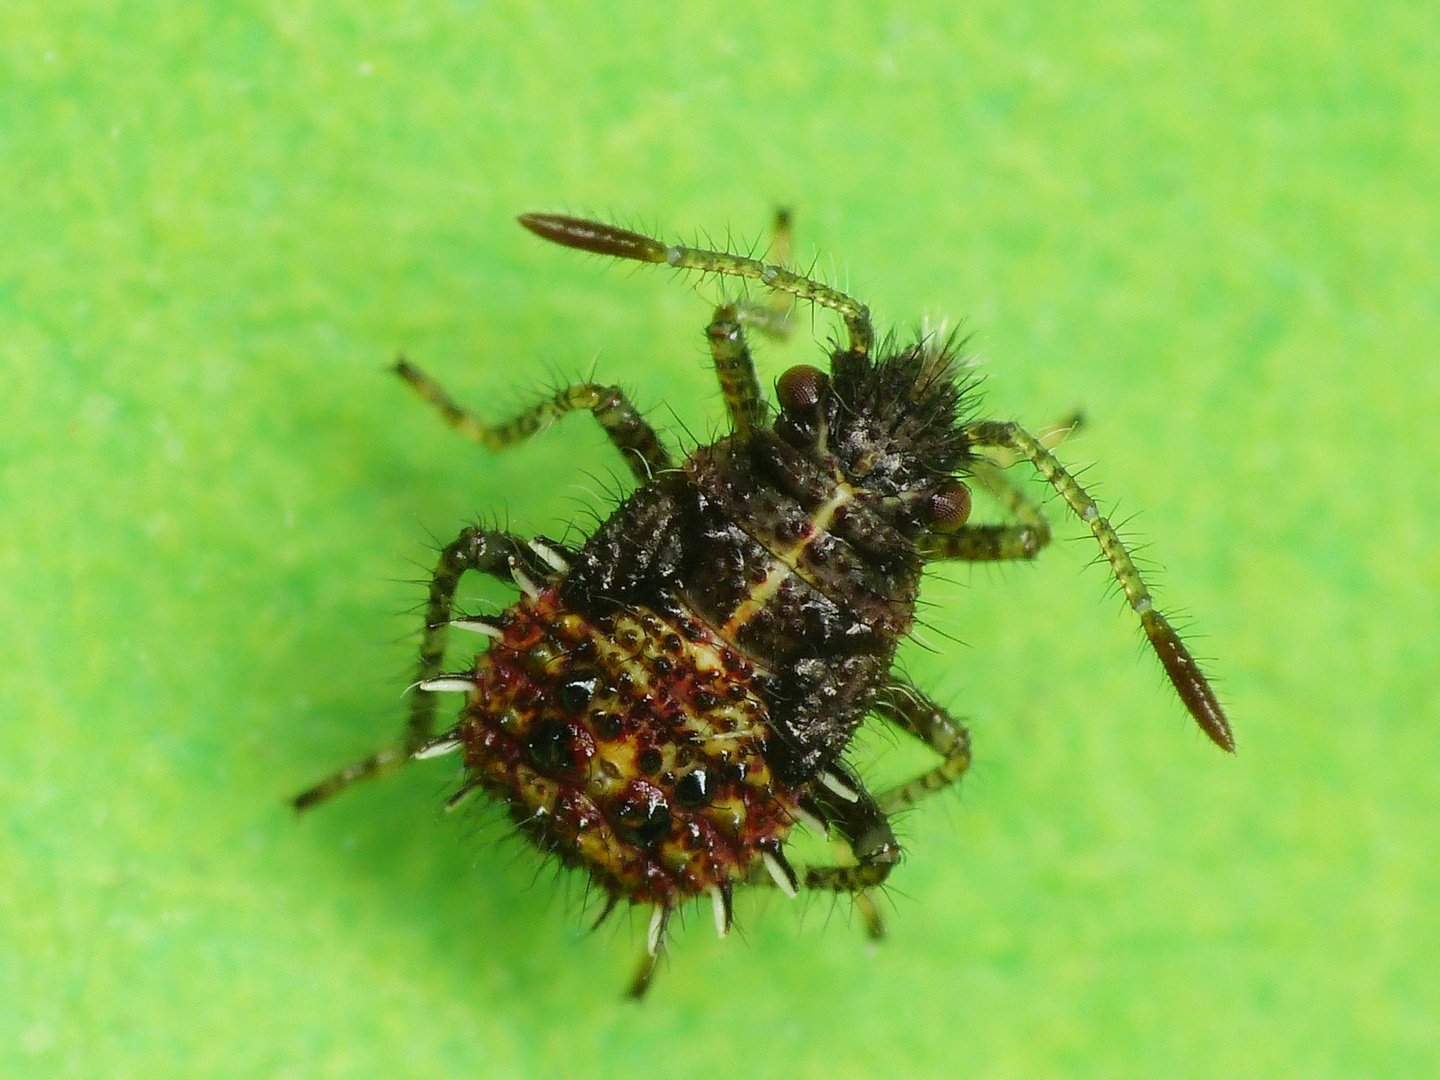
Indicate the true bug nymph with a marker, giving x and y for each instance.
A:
(662, 705)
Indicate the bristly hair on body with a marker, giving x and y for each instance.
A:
(899, 417)
(667, 700)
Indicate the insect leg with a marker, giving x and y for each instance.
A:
(911, 710)
(841, 802)
(602, 239)
(865, 830)
(628, 430)
(483, 550)
(733, 363)
(735, 369)
(776, 316)
(861, 820)
(1021, 539)
(1180, 666)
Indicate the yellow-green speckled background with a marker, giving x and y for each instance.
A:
(1213, 226)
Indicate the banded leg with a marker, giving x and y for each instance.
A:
(631, 434)
(483, 550)
(605, 239)
(1190, 683)
(736, 370)
(775, 317)
(862, 825)
(734, 366)
(1021, 539)
(1030, 531)
(844, 803)
(838, 800)
(862, 820)
(911, 710)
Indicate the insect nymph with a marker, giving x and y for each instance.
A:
(662, 705)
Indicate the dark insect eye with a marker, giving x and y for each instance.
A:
(694, 789)
(576, 693)
(800, 388)
(949, 507)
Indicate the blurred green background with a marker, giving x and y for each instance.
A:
(1213, 227)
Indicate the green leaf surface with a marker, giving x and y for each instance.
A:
(1213, 227)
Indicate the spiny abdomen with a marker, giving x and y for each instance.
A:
(633, 745)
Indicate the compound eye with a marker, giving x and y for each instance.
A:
(949, 507)
(800, 388)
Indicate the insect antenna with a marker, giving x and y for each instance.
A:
(1185, 674)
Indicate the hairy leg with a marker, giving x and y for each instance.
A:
(733, 364)
(1021, 539)
(482, 550)
(735, 370)
(839, 802)
(911, 710)
(860, 822)
(628, 430)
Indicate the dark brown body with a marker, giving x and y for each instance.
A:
(665, 703)
(783, 560)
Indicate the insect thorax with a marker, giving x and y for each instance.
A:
(661, 707)
(785, 562)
